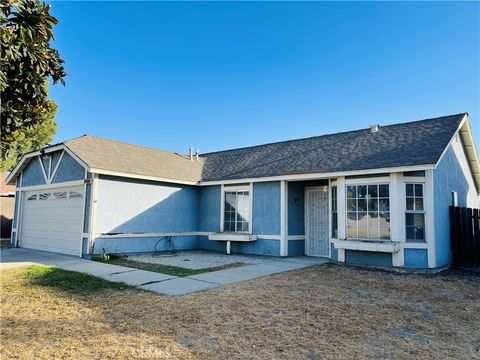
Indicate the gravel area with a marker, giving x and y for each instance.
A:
(197, 259)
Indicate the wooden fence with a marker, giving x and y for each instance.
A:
(465, 236)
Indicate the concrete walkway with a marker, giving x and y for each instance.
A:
(153, 281)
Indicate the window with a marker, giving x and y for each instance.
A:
(368, 212)
(415, 214)
(43, 196)
(334, 213)
(75, 194)
(32, 197)
(236, 211)
(60, 195)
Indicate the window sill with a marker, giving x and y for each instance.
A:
(386, 246)
(232, 237)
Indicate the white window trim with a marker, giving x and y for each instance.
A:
(406, 211)
(366, 181)
(330, 210)
(231, 188)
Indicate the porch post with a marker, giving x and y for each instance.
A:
(283, 218)
(430, 218)
(397, 217)
(93, 209)
(341, 213)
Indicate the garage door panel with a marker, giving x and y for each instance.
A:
(53, 224)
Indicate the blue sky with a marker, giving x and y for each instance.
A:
(225, 75)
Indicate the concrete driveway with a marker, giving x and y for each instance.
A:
(153, 281)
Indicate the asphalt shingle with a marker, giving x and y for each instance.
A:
(407, 144)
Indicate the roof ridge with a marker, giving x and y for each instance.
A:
(331, 134)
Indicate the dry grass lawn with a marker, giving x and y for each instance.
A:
(326, 312)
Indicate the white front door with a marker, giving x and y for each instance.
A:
(316, 222)
(52, 220)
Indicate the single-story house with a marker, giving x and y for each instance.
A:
(377, 196)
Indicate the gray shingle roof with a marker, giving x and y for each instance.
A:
(121, 157)
(407, 144)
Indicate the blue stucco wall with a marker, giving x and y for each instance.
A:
(296, 208)
(55, 157)
(143, 244)
(129, 205)
(415, 258)
(354, 257)
(15, 210)
(449, 175)
(266, 208)
(45, 166)
(296, 205)
(85, 246)
(209, 208)
(296, 247)
(33, 175)
(68, 170)
(86, 218)
(334, 252)
(259, 247)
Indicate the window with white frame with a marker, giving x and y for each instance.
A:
(75, 194)
(415, 213)
(236, 213)
(334, 213)
(44, 196)
(368, 212)
(60, 195)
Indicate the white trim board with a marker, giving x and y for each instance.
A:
(320, 176)
(141, 177)
(52, 186)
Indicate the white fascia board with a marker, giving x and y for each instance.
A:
(315, 176)
(470, 148)
(142, 177)
(52, 185)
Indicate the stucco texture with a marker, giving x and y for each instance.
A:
(451, 174)
(126, 206)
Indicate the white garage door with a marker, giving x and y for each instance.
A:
(52, 220)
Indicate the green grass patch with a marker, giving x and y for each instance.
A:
(68, 281)
(164, 269)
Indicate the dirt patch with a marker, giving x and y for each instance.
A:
(326, 312)
(164, 269)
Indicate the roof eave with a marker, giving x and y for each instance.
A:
(320, 175)
(142, 177)
(470, 148)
